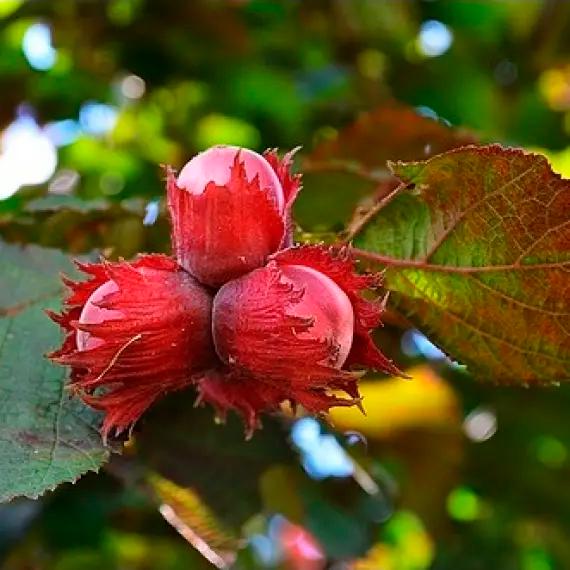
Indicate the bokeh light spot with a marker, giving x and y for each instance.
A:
(64, 182)
(415, 344)
(554, 86)
(480, 425)
(62, 133)
(151, 213)
(219, 129)
(322, 455)
(550, 451)
(97, 118)
(434, 38)
(9, 6)
(133, 87)
(111, 183)
(37, 47)
(463, 504)
(27, 157)
(506, 72)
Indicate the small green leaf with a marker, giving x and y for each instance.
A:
(46, 438)
(477, 250)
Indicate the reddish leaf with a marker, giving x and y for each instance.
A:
(393, 131)
(478, 254)
(351, 168)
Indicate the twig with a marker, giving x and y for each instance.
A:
(361, 220)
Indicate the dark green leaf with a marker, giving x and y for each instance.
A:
(46, 438)
(184, 444)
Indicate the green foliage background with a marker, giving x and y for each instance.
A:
(262, 73)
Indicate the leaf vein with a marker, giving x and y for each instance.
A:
(482, 332)
(473, 207)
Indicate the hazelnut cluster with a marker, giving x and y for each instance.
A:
(239, 312)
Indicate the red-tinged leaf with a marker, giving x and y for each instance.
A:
(477, 249)
(391, 132)
(351, 169)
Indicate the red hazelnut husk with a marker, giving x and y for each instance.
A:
(292, 331)
(230, 210)
(134, 331)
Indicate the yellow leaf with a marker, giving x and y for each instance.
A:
(395, 404)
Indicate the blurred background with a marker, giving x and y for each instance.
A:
(442, 473)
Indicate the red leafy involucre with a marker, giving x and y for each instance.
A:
(287, 331)
(230, 210)
(338, 266)
(152, 334)
(291, 185)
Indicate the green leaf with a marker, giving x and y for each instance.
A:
(477, 254)
(184, 445)
(46, 438)
(28, 275)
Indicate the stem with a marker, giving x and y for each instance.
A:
(358, 223)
